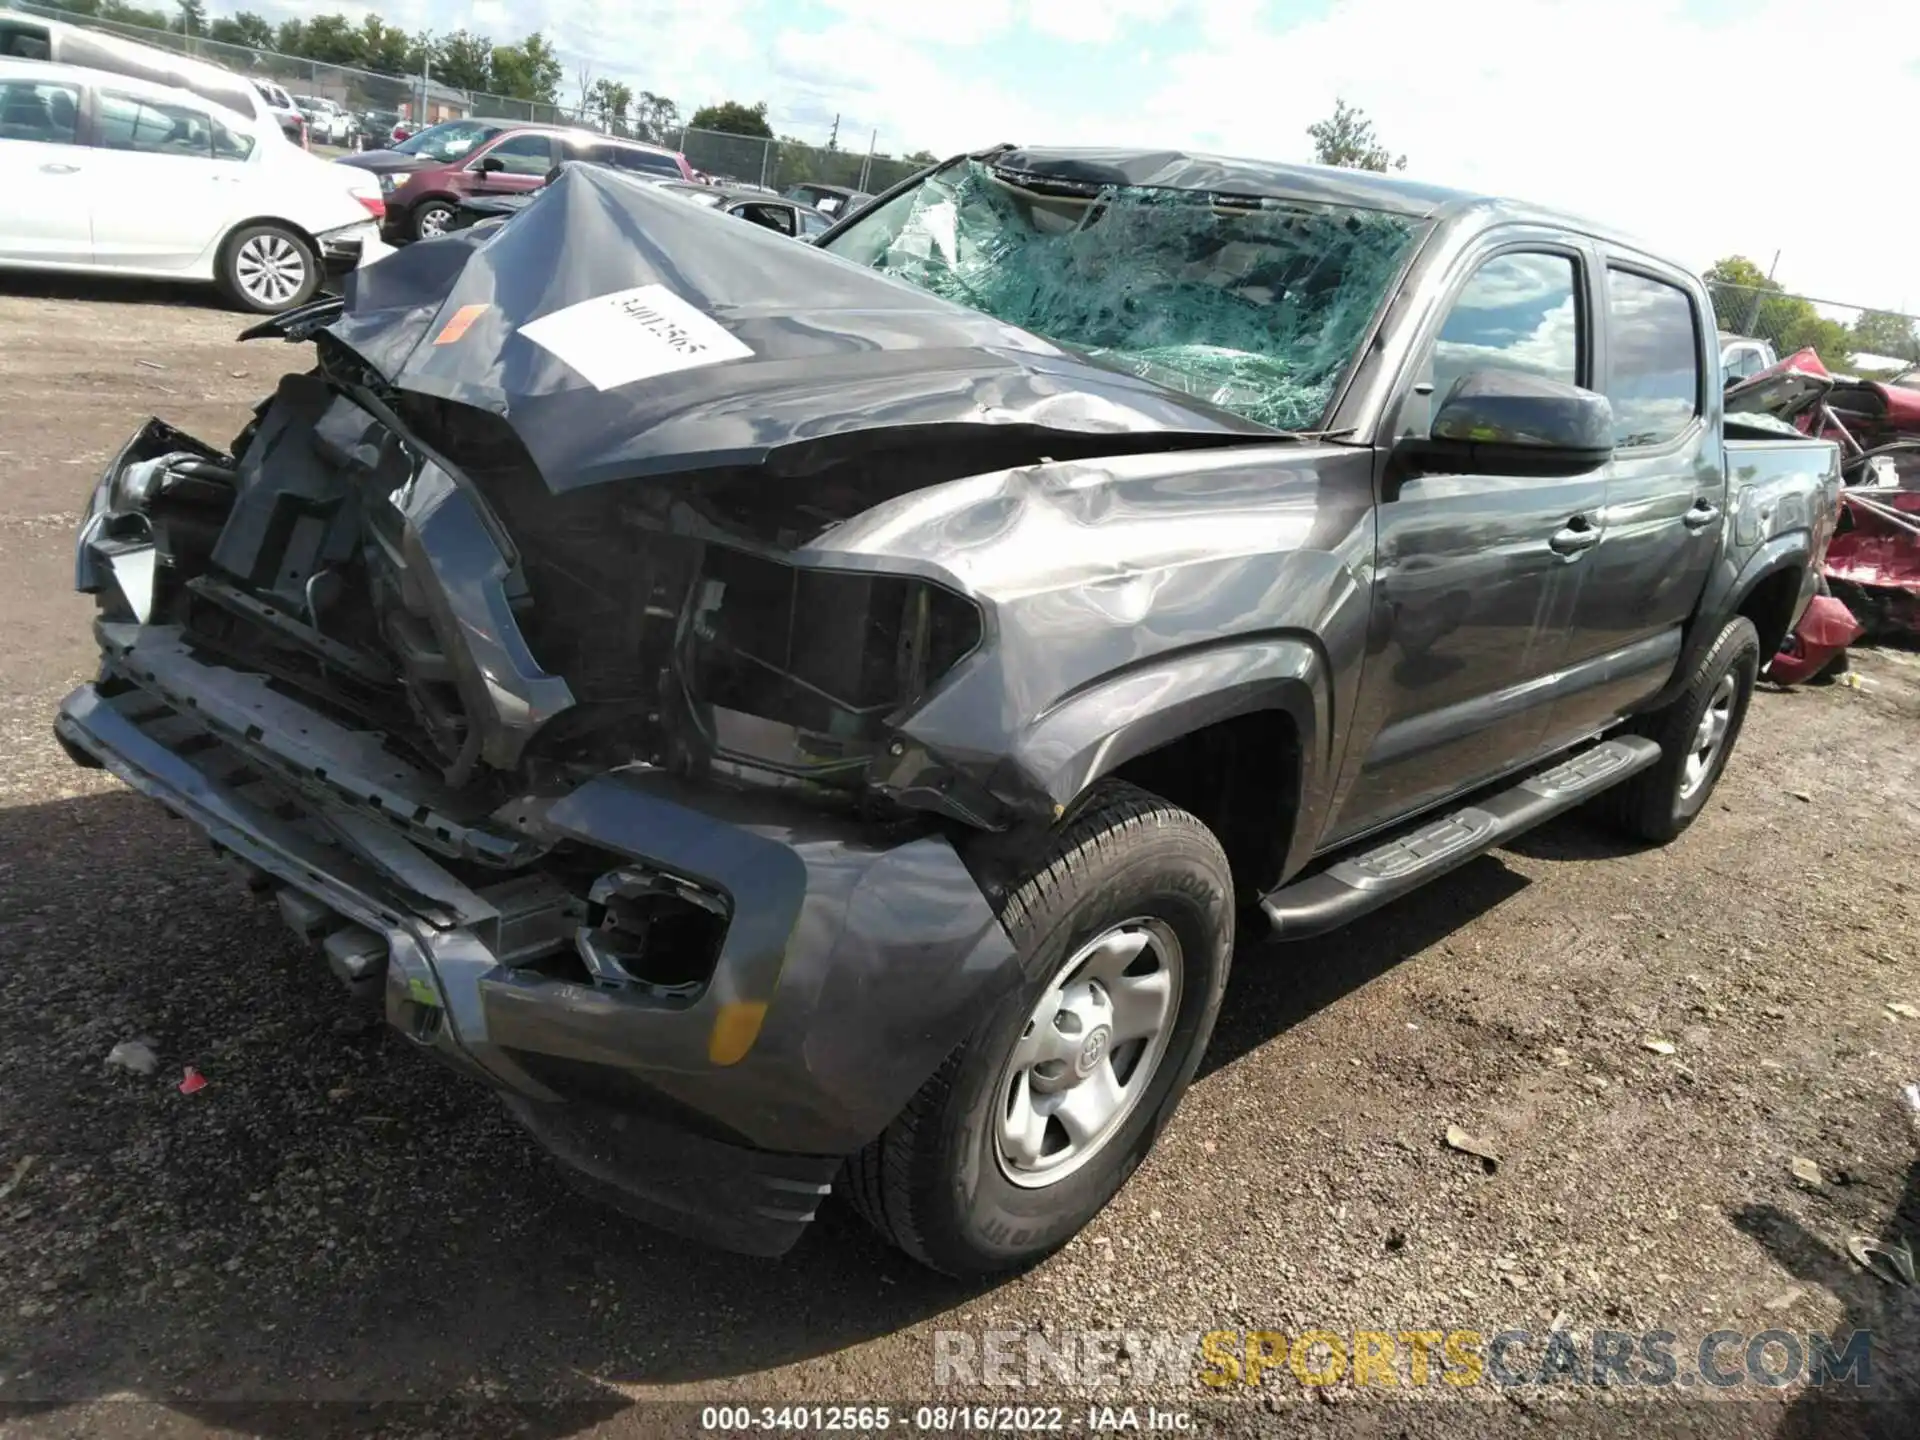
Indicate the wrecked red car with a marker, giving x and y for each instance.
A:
(1872, 569)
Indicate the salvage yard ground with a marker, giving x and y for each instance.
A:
(333, 1217)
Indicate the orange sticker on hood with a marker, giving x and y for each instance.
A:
(461, 322)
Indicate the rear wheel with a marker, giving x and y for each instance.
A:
(1125, 932)
(1695, 733)
(268, 268)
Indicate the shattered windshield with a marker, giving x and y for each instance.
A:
(1252, 305)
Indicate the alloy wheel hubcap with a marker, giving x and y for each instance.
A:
(270, 269)
(1089, 1051)
(433, 221)
(1710, 736)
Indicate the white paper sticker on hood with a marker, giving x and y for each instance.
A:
(632, 335)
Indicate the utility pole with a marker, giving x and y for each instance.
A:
(866, 165)
(833, 140)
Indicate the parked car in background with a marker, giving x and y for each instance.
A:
(1742, 357)
(285, 113)
(108, 173)
(327, 120)
(754, 205)
(30, 37)
(374, 129)
(837, 201)
(757, 206)
(426, 178)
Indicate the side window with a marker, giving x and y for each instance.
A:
(230, 144)
(124, 123)
(24, 42)
(523, 155)
(36, 110)
(1653, 359)
(645, 162)
(1518, 311)
(811, 224)
(774, 217)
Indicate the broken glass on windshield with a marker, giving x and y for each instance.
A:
(1254, 306)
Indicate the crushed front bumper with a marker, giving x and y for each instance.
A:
(853, 962)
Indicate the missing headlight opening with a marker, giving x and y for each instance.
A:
(798, 670)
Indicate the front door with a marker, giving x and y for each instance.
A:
(1476, 575)
(43, 174)
(1665, 494)
(512, 166)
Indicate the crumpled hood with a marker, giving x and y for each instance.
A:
(621, 332)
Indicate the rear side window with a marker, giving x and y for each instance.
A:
(37, 110)
(811, 224)
(1517, 312)
(646, 162)
(24, 42)
(1653, 359)
(773, 217)
(124, 123)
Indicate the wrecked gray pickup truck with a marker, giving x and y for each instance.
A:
(783, 715)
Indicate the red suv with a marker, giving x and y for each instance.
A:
(425, 177)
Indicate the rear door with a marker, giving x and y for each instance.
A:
(1665, 494)
(159, 196)
(43, 174)
(1477, 575)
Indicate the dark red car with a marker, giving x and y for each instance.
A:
(424, 178)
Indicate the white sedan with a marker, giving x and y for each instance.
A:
(104, 173)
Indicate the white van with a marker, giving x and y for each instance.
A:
(105, 173)
(32, 37)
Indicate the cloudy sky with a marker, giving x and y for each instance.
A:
(1708, 126)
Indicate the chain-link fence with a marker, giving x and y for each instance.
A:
(377, 101)
(1851, 339)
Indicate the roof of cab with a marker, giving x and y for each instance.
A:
(1267, 179)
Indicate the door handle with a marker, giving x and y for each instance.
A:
(1703, 514)
(54, 167)
(1576, 536)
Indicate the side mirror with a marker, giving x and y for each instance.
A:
(1507, 422)
(491, 165)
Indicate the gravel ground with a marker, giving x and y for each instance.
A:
(335, 1219)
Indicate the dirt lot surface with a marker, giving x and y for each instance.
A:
(334, 1219)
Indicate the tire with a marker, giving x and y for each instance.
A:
(1659, 803)
(268, 268)
(430, 218)
(943, 1181)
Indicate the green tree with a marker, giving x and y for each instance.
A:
(730, 117)
(291, 37)
(527, 71)
(386, 48)
(1746, 301)
(332, 40)
(122, 14)
(1346, 138)
(244, 28)
(192, 18)
(921, 157)
(656, 117)
(1882, 332)
(464, 60)
(609, 101)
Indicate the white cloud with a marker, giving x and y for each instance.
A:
(1630, 113)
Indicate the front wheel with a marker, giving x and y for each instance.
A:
(1125, 932)
(431, 219)
(1695, 733)
(268, 268)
